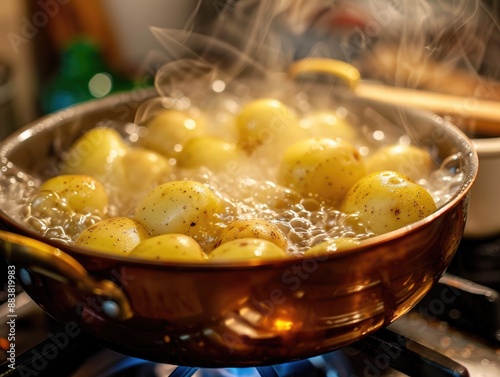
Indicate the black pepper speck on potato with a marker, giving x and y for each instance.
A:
(388, 200)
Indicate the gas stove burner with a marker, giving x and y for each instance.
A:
(374, 355)
(111, 364)
(84, 358)
(382, 354)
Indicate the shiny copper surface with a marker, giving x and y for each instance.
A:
(237, 315)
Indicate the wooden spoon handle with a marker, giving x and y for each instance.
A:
(482, 116)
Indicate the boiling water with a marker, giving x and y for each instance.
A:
(248, 192)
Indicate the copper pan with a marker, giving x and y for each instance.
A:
(243, 314)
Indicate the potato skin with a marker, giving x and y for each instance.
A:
(169, 128)
(328, 124)
(115, 235)
(144, 170)
(254, 228)
(213, 153)
(172, 247)
(247, 249)
(96, 154)
(185, 207)
(321, 167)
(82, 193)
(266, 121)
(410, 160)
(388, 200)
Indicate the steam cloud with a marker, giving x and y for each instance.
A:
(440, 45)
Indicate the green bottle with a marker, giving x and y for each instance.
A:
(83, 76)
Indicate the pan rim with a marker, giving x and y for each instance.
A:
(126, 98)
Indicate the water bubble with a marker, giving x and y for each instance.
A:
(246, 189)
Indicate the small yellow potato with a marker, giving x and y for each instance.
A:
(95, 153)
(213, 153)
(115, 235)
(49, 207)
(328, 124)
(82, 193)
(254, 228)
(410, 160)
(144, 170)
(185, 207)
(247, 249)
(267, 121)
(331, 246)
(321, 167)
(169, 130)
(388, 200)
(170, 247)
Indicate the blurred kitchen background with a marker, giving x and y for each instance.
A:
(54, 53)
(50, 50)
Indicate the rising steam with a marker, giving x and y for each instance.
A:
(441, 45)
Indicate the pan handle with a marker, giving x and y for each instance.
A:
(345, 71)
(51, 262)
